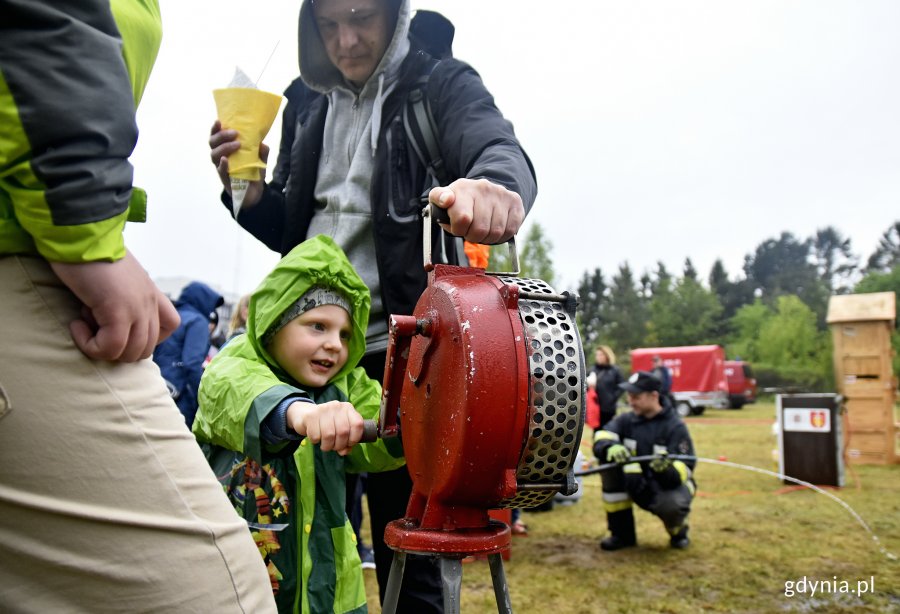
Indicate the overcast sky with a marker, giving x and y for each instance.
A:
(659, 130)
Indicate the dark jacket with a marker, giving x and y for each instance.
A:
(608, 392)
(663, 432)
(665, 377)
(181, 356)
(475, 140)
(68, 125)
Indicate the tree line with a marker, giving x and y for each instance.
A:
(772, 313)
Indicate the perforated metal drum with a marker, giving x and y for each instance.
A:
(485, 382)
(557, 382)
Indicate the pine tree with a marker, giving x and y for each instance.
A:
(592, 291)
(835, 261)
(536, 261)
(887, 255)
(627, 326)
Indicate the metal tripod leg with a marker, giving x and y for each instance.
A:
(451, 583)
(395, 579)
(501, 588)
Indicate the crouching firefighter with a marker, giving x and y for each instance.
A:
(663, 487)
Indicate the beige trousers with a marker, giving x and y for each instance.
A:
(106, 502)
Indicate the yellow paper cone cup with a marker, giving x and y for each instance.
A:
(250, 112)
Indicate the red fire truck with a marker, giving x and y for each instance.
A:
(741, 383)
(698, 375)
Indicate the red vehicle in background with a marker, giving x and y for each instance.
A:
(698, 375)
(741, 383)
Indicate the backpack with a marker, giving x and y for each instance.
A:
(434, 33)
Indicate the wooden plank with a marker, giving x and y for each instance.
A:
(862, 307)
(871, 448)
(868, 414)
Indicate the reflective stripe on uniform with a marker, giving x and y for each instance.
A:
(621, 506)
(616, 502)
(605, 436)
(683, 470)
(632, 468)
(615, 497)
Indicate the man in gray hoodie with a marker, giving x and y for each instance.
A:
(354, 176)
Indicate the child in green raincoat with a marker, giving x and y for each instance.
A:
(281, 412)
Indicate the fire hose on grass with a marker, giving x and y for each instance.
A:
(713, 461)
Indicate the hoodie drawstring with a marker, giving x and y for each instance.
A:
(380, 96)
(376, 112)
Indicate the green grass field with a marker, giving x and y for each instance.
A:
(751, 534)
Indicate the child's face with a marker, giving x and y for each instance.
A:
(312, 347)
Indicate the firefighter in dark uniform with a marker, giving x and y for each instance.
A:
(663, 486)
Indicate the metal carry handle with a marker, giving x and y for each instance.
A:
(431, 212)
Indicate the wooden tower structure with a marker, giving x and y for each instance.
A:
(861, 328)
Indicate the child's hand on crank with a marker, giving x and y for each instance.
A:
(335, 425)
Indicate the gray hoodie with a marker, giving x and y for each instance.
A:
(352, 124)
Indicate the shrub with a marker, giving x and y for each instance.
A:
(793, 379)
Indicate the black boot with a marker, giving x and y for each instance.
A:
(621, 527)
(680, 539)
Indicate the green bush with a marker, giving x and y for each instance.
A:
(793, 379)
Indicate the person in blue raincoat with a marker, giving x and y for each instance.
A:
(181, 356)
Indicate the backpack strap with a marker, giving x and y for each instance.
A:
(421, 130)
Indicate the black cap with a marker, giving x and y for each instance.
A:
(642, 381)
